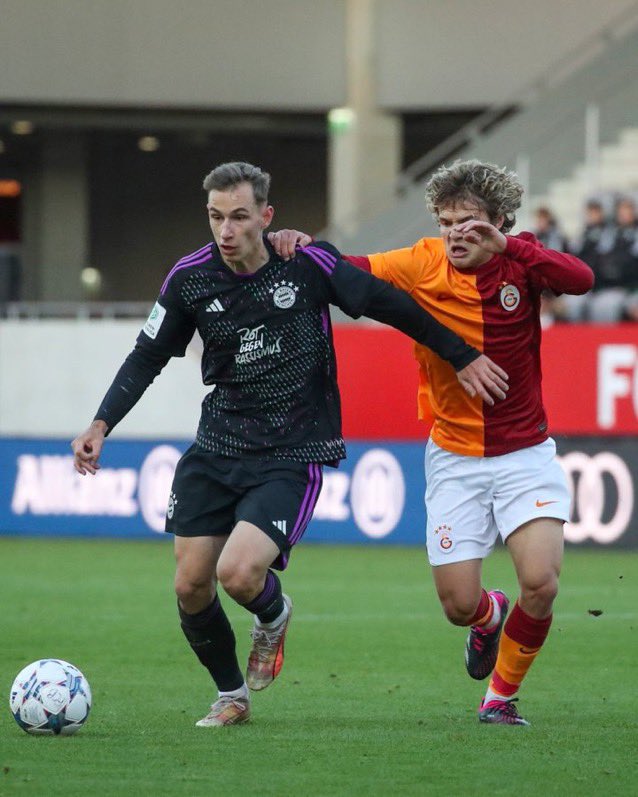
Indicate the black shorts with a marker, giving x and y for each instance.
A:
(211, 494)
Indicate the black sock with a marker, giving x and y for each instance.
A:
(269, 604)
(212, 639)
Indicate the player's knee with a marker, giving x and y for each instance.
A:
(540, 591)
(193, 591)
(458, 611)
(241, 580)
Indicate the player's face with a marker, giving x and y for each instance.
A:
(238, 222)
(461, 253)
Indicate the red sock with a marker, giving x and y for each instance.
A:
(484, 610)
(520, 643)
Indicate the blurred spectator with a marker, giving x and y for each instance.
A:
(586, 245)
(611, 249)
(625, 254)
(617, 269)
(546, 229)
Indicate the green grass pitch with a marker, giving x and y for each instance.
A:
(373, 698)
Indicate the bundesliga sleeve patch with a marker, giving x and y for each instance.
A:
(154, 322)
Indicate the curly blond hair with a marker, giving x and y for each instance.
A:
(495, 189)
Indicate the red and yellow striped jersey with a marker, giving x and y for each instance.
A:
(495, 307)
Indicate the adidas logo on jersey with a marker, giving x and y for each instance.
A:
(215, 307)
(281, 525)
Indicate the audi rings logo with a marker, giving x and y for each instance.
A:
(377, 493)
(589, 478)
(156, 477)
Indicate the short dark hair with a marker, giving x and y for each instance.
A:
(228, 175)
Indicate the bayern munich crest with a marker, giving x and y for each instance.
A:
(510, 297)
(284, 295)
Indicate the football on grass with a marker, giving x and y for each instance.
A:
(50, 696)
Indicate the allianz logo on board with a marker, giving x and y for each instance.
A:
(373, 496)
(48, 485)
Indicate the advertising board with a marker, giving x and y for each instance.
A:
(375, 496)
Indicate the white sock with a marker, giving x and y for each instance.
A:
(241, 692)
(276, 622)
(490, 695)
(496, 616)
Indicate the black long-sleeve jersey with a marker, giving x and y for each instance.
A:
(268, 349)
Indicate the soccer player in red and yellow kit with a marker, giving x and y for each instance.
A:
(490, 470)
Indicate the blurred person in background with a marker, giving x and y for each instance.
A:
(587, 247)
(490, 471)
(611, 249)
(617, 270)
(244, 492)
(547, 232)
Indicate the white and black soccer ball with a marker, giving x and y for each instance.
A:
(50, 696)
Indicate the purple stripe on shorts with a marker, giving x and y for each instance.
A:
(308, 504)
(323, 259)
(304, 503)
(179, 267)
(311, 505)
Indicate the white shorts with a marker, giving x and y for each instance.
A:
(471, 500)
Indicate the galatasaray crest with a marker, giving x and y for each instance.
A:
(510, 297)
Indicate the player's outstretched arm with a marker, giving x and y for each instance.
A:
(87, 448)
(358, 292)
(559, 272)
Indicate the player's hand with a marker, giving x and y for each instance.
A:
(285, 242)
(484, 378)
(87, 448)
(484, 234)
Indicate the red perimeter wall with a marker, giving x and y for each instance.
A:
(590, 381)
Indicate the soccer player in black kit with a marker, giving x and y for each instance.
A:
(244, 492)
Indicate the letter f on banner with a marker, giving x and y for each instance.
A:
(613, 385)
